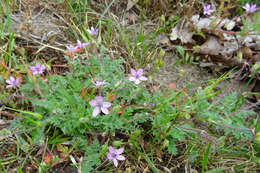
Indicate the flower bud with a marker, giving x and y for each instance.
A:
(257, 138)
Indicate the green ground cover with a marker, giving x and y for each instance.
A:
(91, 104)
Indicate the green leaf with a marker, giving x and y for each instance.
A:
(177, 134)
(216, 170)
(172, 147)
(150, 163)
(181, 50)
(206, 157)
(91, 157)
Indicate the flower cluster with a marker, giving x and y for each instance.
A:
(37, 69)
(249, 8)
(101, 106)
(80, 45)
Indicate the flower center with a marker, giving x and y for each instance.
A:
(99, 104)
(114, 155)
(38, 68)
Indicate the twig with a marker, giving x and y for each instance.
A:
(201, 133)
(234, 128)
(22, 97)
(245, 108)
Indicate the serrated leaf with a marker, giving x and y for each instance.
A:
(172, 147)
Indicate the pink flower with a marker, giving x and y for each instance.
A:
(71, 48)
(207, 10)
(37, 69)
(137, 76)
(99, 106)
(81, 44)
(249, 9)
(92, 31)
(12, 82)
(115, 155)
(99, 83)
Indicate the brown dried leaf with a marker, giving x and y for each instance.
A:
(181, 31)
(247, 52)
(211, 47)
(256, 58)
(162, 39)
(130, 4)
(131, 17)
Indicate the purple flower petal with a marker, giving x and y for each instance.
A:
(137, 81)
(81, 44)
(120, 157)
(246, 7)
(8, 86)
(17, 80)
(109, 156)
(133, 72)
(32, 68)
(253, 8)
(143, 78)
(38, 65)
(12, 79)
(8, 81)
(99, 83)
(115, 162)
(43, 67)
(105, 110)
(71, 48)
(99, 99)
(106, 104)
(93, 103)
(120, 151)
(111, 149)
(140, 72)
(132, 78)
(96, 111)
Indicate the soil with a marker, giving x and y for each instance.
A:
(61, 169)
(190, 75)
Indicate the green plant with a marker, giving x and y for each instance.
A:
(64, 105)
(185, 57)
